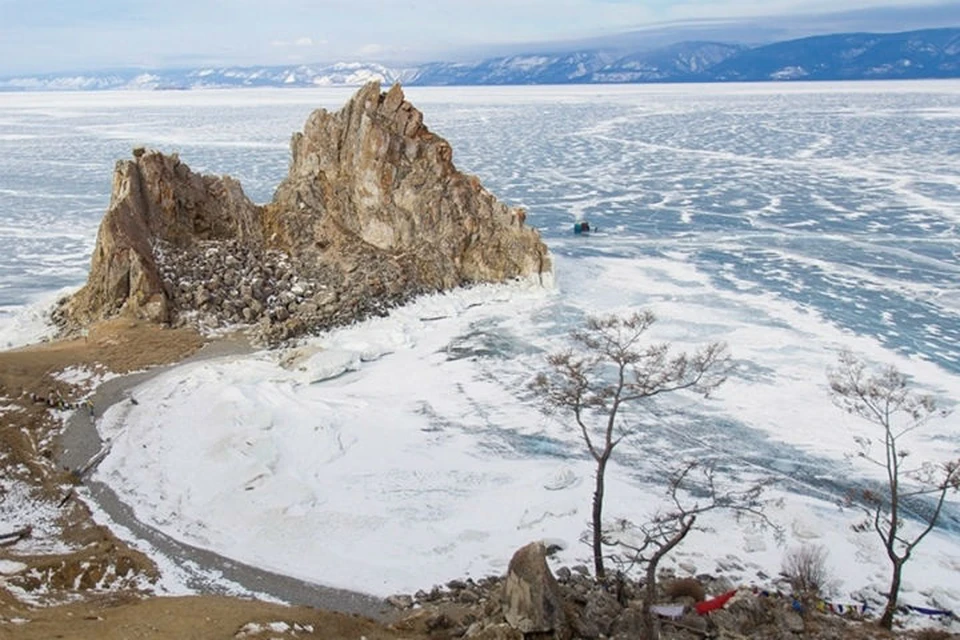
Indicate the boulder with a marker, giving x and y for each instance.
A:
(372, 213)
(531, 599)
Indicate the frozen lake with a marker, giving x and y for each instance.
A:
(788, 220)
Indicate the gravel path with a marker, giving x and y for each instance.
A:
(80, 446)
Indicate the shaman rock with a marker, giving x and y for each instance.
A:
(372, 213)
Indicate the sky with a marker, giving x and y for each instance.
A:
(38, 36)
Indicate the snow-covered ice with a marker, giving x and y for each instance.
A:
(433, 461)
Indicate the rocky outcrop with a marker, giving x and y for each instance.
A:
(157, 202)
(372, 213)
(532, 602)
(510, 607)
(379, 177)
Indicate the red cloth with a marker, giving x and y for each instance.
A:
(712, 605)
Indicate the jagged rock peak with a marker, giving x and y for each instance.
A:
(372, 213)
(379, 173)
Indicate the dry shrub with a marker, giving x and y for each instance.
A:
(685, 587)
(806, 569)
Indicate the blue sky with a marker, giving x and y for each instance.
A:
(55, 35)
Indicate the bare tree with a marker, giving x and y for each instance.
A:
(648, 543)
(885, 399)
(609, 369)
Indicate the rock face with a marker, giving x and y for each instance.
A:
(372, 213)
(532, 602)
(157, 201)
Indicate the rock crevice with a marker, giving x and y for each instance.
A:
(372, 212)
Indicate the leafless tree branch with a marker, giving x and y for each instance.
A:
(886, 400)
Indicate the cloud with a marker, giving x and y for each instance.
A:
(302, 42)
(371, 50)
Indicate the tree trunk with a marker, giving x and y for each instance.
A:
(886, 621)
(598, 520)
(649, 594)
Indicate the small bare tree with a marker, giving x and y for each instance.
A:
(885, 399)
(608, 369)
(648, 543)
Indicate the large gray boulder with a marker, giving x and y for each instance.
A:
(531, 599)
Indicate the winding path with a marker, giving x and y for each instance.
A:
(80, 448)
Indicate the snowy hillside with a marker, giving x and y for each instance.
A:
(933, 53)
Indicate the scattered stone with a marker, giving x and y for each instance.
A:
(495, 632)
(480, 610)
(602, 611)
(629, 624)
(436, 621)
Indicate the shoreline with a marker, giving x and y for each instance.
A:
(80, 449)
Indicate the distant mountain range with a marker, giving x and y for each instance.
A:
(930, 53)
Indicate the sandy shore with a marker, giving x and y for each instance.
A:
(80, 450)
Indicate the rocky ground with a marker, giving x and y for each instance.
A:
(217, 284)
(68, 577)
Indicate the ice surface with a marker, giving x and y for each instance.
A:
(29, 323)
(788, 220)
(433, 461)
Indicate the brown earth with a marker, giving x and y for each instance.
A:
(28, 382)
(124, 617)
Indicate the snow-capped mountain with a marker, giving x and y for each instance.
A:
(576, 67)
(931, 53)
(339, 74)
(342, 73)
(676, 62)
